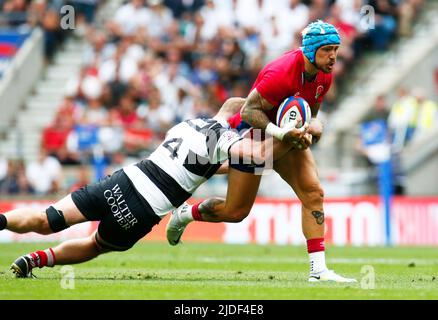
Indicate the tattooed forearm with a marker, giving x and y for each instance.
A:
(210, 207)
(253, 111)
(319, 217)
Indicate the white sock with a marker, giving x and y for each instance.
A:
(317, 262)
(185, 215)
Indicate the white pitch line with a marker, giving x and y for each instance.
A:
(304, 259)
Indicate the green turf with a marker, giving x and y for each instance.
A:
(215, 271)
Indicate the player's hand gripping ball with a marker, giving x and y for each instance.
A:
(293, 110)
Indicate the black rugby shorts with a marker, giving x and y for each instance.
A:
(125, 216)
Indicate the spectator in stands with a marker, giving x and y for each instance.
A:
(83, 178)
(179, 7)
(202, 109)
(148, 68)
(66, 157)
(8, 181)
(156, 116)
(168, 82)
(45, 174)
(275, 40)
(126, 113)
(380, 111)
(408, 10)
(386, 23)
(194, 52)
(15, 181)
(204, 72)
(403, 118)
(14, 12)
(130, 18)
(348, 34)
(85, 9)
(427, 114)
(3, 167)
(210, 18)
(47, 17)
(230, 63)
(121, 69)
(54, 136)
(98, 49)
(94, 113)
(159, 18)
(185, 104)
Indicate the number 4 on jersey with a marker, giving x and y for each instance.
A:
(173, 146)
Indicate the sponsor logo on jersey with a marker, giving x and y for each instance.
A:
(319, 91)
(119, 208)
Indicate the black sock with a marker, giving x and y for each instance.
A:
(3, 222)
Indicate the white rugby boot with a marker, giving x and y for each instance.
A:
(330, 276)
(175, 226)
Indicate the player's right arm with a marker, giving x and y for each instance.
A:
(253, 112)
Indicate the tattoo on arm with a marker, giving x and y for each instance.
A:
(319, 217)
(210, 207)
(253, 110)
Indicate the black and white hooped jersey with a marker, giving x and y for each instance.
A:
(191, 153)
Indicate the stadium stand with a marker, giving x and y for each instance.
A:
(130, 70)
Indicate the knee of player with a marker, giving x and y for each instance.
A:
(55, 220)
(43, 224)
(314, 194)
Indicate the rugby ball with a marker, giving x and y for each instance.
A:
(293, 109)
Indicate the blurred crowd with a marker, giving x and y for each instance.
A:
(413, 116)
(157, 62)
(24, 15)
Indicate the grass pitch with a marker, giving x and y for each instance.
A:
(230, 272)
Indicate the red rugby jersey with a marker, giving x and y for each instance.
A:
(284, 77)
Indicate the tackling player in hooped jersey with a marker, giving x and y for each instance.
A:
(129, 202)
(305, 72)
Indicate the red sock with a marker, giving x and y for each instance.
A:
(44, 258)
(195, 212)
(315, 245)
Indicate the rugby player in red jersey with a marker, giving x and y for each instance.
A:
(305, 72)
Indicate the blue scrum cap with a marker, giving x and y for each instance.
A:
(316, 35)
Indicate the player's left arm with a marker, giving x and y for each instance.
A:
(315, 127)
(230, 107)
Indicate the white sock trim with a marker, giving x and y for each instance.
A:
(50, 258)
(185, 215)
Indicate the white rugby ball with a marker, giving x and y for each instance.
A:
(293, 109)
